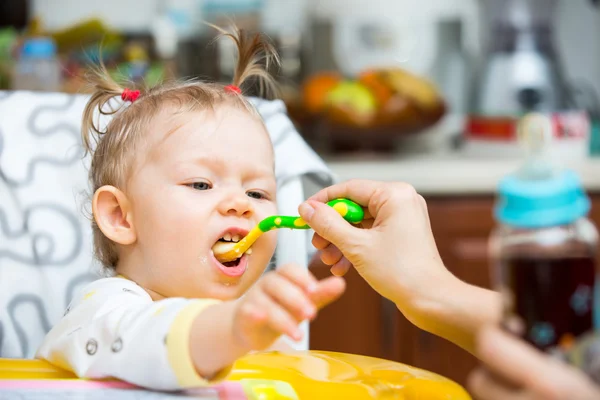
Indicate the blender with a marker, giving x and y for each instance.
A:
(522, 73)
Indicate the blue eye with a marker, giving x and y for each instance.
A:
(200, 185)
(256, 195)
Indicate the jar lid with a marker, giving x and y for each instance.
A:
(558, 200)
(539, 195)
(40, 48)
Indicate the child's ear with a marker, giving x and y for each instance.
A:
(113, 215)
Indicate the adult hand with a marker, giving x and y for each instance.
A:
(516, 371)
(395, 252)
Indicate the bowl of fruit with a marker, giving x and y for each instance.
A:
(368, 112)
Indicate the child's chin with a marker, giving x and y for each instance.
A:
(225, 292)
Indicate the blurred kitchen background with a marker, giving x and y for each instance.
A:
(426, 92)
(360, 78)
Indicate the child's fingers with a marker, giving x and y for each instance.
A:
(261, 311)
(280, 320)
(299, 275)
(330, 255)
(289, 296)
(329, 290)
(341, 267)
(252, 313)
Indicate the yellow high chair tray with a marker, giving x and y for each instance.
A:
(264, 376)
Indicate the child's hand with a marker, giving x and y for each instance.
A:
(277, 304)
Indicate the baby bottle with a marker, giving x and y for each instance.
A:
(544, 254)
(38, 67)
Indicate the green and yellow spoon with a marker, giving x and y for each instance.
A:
(229, 251)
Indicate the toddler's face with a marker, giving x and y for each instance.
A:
(205, 176)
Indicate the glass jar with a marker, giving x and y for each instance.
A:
(544, 253)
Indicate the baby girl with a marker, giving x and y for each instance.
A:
(178, 169)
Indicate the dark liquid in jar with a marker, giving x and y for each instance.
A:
(552, 298)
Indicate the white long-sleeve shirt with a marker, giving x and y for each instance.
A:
(113, 328)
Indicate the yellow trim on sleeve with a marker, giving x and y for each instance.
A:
(178, 347)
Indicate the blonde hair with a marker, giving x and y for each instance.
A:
(113, 148)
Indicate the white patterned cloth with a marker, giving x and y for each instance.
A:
(45, 233)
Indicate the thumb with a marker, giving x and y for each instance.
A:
(328, 223)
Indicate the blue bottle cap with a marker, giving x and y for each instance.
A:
(538, 195)
(557, 200)
(39, 48)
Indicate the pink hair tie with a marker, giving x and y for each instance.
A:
(233, 89)
(130, 95)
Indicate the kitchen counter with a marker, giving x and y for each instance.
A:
(447, 175)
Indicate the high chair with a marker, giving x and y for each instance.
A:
(46, 249)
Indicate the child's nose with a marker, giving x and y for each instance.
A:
(237, 204)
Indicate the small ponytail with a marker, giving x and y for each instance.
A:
(105, 89)
(255, 56)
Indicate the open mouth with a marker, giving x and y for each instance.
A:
(230, 264)
(237, 267)
(226, 243)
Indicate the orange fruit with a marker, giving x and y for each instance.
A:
(316, 89)
(378, 86)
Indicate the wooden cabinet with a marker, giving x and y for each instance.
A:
(362, 322)
(461, 227)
